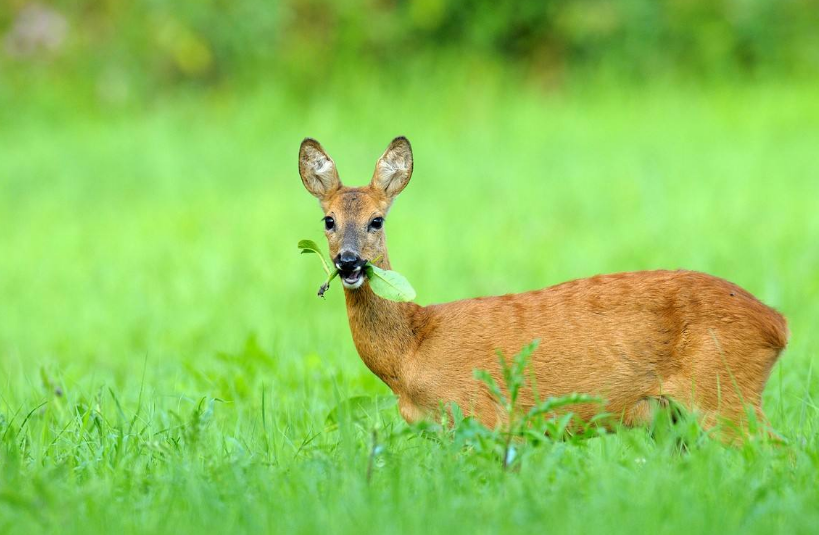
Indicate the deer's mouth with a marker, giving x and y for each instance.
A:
(352, 279)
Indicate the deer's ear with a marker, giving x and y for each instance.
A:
(318, 171)
(394, 169)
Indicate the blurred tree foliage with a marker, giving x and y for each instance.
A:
(155, 43)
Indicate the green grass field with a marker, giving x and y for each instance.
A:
(165, 364)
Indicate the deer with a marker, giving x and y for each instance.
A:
(638, 340)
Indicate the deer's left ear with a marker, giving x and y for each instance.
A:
(394, 169)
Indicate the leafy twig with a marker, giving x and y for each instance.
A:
(309, 246)
(384, 283)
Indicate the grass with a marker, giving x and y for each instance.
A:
(165, 365)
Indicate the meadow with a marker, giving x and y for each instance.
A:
(166, 366)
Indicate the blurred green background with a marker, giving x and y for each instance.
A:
(118, 51)
(150, 207)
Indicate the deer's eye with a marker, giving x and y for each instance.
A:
(377, 223)
(329, 223)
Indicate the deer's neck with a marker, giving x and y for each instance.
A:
(383, 331)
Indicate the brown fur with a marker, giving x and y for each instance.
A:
(631, 338)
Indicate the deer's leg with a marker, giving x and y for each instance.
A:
(643, 412)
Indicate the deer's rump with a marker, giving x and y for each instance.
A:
(627, 337)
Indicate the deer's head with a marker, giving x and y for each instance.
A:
(354, 217)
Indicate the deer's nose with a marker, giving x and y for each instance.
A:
(348, 261)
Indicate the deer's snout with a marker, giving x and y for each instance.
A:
(348, 261)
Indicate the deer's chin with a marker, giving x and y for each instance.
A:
(352, 280)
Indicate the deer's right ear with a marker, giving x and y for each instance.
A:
(318, 171)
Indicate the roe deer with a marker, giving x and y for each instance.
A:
(635, 339)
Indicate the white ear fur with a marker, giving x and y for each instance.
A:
(394, 169)
(318, 171)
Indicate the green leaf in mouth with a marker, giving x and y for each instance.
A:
(389, 284)
(386, 284)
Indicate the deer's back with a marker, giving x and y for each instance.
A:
(621, 335)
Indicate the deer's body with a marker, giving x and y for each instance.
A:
(630, 338)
